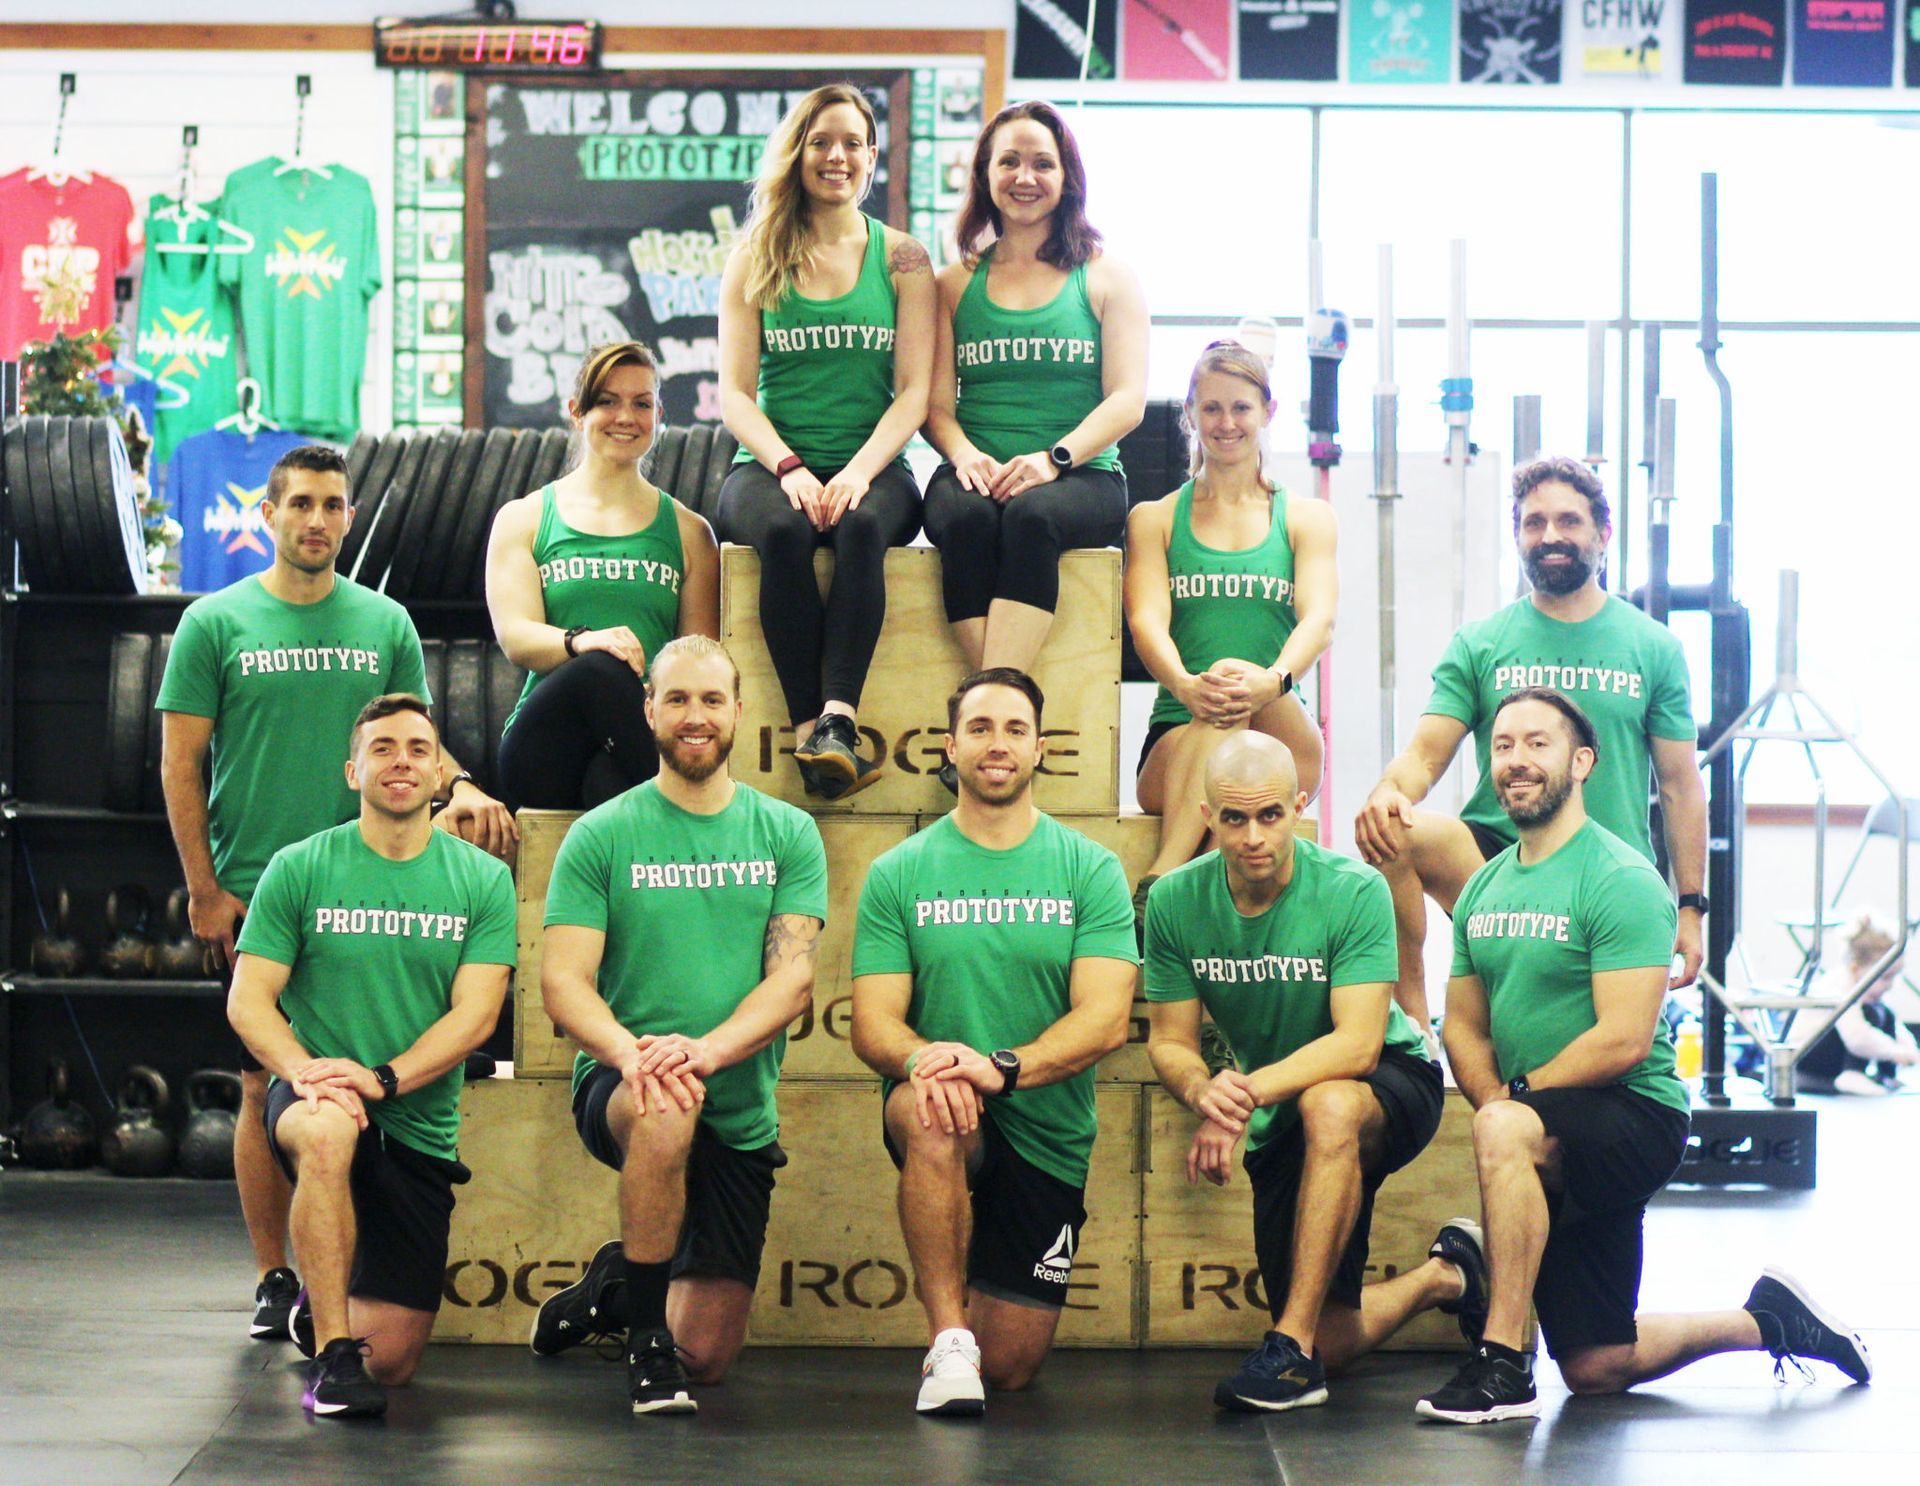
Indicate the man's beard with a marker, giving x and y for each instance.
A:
(1554, 791)
(1564, 578)
(699, 767)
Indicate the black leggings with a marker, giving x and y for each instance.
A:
(820, 651)
(992, 550)
(580, 739)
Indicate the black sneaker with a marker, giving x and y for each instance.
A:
(593, 1306)
(830, 758)
(272, 1303)
(338, 1386)
(1792, 1326)
(1462, 1245)
(1140, 910)
(1485, 1391)
(655, 1377)
(300, 1325)
(1275, 1376)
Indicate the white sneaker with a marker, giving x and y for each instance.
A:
(950, 1377)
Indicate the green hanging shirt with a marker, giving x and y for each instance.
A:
(1627, 672)
(990, 938)
(1027, 378)
(185, 338)
(604, 581)
(1226, 603)
(283, 683)
(304, 290)
(1267, 980)
(826, 365)
(374, 945)
(1537, 935)
(684, 901)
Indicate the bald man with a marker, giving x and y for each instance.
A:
(1290, 948)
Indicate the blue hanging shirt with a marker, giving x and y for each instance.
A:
(215, 484)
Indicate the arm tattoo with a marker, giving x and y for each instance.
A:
(793, 936)
(909, 258)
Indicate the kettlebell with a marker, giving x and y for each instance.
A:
(57, 1134)
(213, 1109)
(179, 956)
(138, 1142)
(129, 953)
(56, 951)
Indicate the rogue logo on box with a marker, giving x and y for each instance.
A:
(461, 1290)
(931, 753)
(881, 1284)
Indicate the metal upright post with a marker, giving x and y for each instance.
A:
(1386, 491)
(1327, 336)
(1526, 449)
(1456, 402)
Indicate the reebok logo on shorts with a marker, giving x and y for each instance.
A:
(1057, 1265)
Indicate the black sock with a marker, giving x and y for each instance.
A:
(1507, 1354)
(1772, 1334)
(647, 1297)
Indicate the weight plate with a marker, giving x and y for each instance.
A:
(127, 719)
(123, 560)
(107, 566)
(411, 548)
(555, 444)
(511, 485)
(433, 655)
(665, 458)
(376, 554)
(436, 560)
(152, 797)
(20, 519)
(359, 456)
(369, 495)
(476, 518)
(76, 519)
(504, 683)
(465, 735)
(693, 465)
(54, 577)
(719, 461)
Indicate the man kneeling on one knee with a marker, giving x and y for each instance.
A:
(387, 946)
(1290, 948)
(1561, 950)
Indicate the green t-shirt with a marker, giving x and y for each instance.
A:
(283, 683)
(990, 938)
(1267, 980)
(684, 901)
(1225, 602)
(374, 945)
(303, 289)
(185, 338)
(1537, 935)
(1627, 672)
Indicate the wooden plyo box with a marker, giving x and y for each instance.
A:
(817, 1042)
(1203, 1285)
(903, 711)
(835, 1270)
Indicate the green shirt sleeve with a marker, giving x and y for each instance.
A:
(492, 928)
(1169, 976)
(802, 864)
(410, 665)
(880, 929)
(1366, 950)
(577, 890)
(1630, 921)
(1670, 708)
(191, 683)
(1454, 693)
(1103, 926)
(275, 916)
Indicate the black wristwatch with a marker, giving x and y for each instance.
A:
(1062, 457)
(571, 635)
(1286, 680)
(1693, 900)
(1008, 1062)
(1518, 1085)
(389, 1081)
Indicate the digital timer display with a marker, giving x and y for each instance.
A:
(484, 46)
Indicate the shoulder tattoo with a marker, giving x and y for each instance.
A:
(909, 257)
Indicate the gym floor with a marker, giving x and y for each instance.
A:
(123, 1361)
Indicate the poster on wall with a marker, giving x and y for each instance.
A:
(1843, 43)
(1739, 43)
(1510, 41)
(1050, 38)
(1618, 41)
(946, 114)
(429, 245)
(1177, 40)
(1290, 40)
(1400, 41)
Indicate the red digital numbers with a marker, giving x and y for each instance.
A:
(573, 46)
(487, 46)
(543, 45)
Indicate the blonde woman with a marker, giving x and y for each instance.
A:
(826, 344)
(1230, 591)
(1866, 1049)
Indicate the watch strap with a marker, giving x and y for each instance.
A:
(570, 636)
(787, 466)
(389, 1081)
(1693, 900)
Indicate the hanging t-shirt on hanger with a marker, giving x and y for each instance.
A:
(215, 485)
(304, 289)
(61, 248)
(186, 340)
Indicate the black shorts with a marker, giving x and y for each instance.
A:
(1411, 1091)
(1155, 732)
(1026, 1223)
(1490, 845)
(402, 1209)
(1617, 1148)
(729, 1191)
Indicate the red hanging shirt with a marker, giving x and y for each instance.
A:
(61, 248)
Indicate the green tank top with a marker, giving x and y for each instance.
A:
(826, 365)
(1226, 603)
(1028, 378)
(602, 581)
